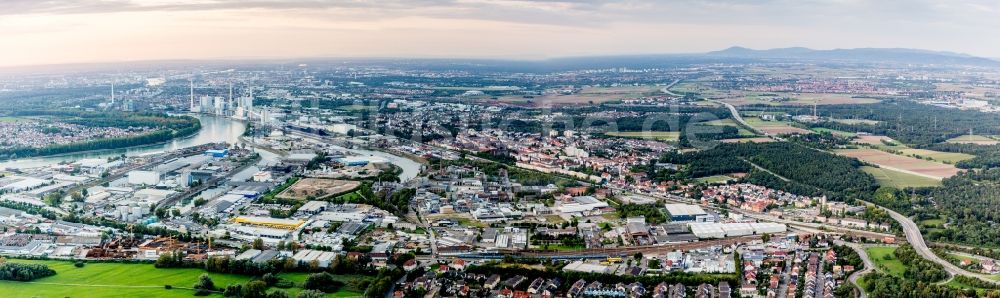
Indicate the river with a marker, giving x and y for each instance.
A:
(213, 129)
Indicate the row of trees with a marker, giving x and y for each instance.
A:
(688, 279)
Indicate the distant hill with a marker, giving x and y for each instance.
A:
(892, 55)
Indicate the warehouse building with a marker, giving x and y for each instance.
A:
(276, 223)
(685, 212)
(722, 230)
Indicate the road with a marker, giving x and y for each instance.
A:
(737, 117)
(916, 239)
(671, 85)
(869, 266)
(766, 170)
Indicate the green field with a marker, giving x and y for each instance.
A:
(945, 157)
(714, 179)
(554, 219)
(657, 135)
(835, 132)
(12, 119)
(469, 222)
(136, 280)
(973, 139)
(932, 222)
(892, 265)
(900, 180)
(730, 122)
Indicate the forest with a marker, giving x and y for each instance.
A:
(916, 124)
(807, 169)
(879, 285)
(968, 201)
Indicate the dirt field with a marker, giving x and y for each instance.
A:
(317, 188)
(907, 164)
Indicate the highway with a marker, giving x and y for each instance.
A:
(916, 239)
(737, 117)
(671, 85)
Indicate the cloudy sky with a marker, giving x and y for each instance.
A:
(72, 31)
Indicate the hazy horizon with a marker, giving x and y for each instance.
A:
(95, 31)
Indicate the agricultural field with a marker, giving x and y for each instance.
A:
(874, 140)
(587, 95)
(945, 157)
(774, 127)
(886, 143)
(898, 179)
(317, 188)
(973, 139)
(654, 135)
(972, 91)
(796, 99)
(703, 89)
(137, 280)
(906, 164)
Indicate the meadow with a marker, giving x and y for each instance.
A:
(138, 280)
(900, 180)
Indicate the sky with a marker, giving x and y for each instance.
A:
(34, 32)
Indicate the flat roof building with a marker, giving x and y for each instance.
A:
(685, 212)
